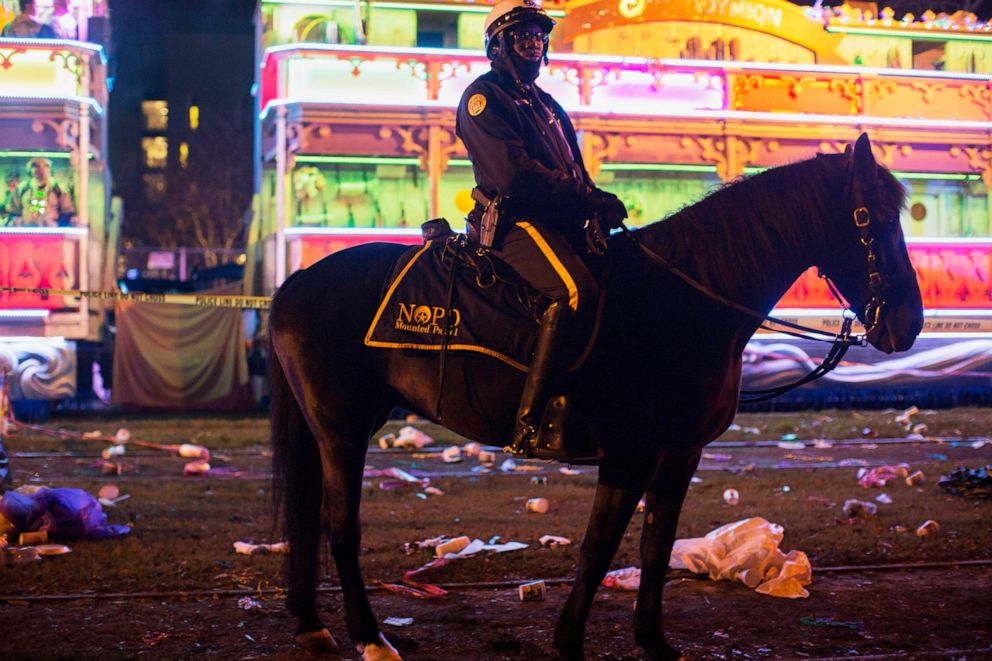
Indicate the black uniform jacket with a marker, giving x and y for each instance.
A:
(523, 146)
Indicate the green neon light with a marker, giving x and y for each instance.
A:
(656, 167)
(424, 6)
(358, 160)
(37, 154)
(937, 176)
(913, 34)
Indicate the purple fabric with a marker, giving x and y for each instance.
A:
(64, 513)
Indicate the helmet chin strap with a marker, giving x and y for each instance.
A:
(508, 57)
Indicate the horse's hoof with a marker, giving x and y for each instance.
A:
(380, 651)
(317, 642)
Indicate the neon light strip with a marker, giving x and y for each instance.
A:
(37, 154)
(425, 6)
(50, 44)
(777, 117)
(23, 314)
(933, 312)
(950, 335)
(358, 160)
(78, 99)
(909, 34)
(58, 231)
(727, 66)
(937, 176)
(951, 241)
(352, 231)
(656, 167)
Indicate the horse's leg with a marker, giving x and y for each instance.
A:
(663, 503)
(619, 489)
(341, 428)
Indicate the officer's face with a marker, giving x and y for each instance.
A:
(528, 41)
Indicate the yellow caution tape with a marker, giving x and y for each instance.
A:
(201, 300)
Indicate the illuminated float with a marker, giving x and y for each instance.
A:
(55, 212)
(356, 137)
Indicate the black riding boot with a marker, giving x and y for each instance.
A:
(541, 379)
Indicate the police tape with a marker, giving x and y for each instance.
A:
(200, 300)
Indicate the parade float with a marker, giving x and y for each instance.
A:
(356, 112)
(55, 217)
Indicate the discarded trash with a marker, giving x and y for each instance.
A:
(859, 509)
(748, 544)
(565, 470)
(487, 456)
(113, 451)
(554, 540)
(830, 622)
(968, 482)
(110, 502)
(248, 548)
(791, 445)
(386, 441)
(628, 578)
(928, 528)
(398, 621)
(539, 479)
(192, 451)
(538, 505)
(731, 496)
(411, 437)
(904, 417)
(641, 505)
(717, 456)
(108, 491)
(196, 468)
(881, 475)
(788, 437)
(884, 498)
(433, 491)
(247, 604)
(916, 477)
(61, 512)
(695, 479)
(32, 538)
(869, 432)
(534, 591)
(508, 466)
(451, 454)
(53, 549)
(455, 545)
(920, 428)
(20, 556)
(471, 449)
(112, 468)
(122, 435)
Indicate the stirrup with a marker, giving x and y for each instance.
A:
(561, 437)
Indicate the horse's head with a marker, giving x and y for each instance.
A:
(873, 270)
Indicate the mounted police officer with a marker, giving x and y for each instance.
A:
(534, 199)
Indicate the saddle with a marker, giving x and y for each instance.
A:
(447, 295)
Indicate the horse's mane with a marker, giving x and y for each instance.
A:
(730, 233)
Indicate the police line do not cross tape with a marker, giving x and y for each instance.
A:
(199, 300)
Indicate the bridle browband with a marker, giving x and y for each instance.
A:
(840, 341)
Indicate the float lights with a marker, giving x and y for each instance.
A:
(358, 160)
(37, 154)
(917, 35)
(937, 176)
(656, 167)
(425, 6)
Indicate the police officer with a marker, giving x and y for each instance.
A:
(529, 172)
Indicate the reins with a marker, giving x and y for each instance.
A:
(840, 342)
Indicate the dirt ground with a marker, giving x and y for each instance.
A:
(933, 613)
(183, 528)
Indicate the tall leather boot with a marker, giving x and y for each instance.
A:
(540, 378)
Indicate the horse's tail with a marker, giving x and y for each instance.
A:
(296, 480)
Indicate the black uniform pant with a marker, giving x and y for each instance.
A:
(546, 259)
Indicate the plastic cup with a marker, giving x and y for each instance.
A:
(916, 477)
(538, 505)
(731, 496)
(928, 528)
(534, 591)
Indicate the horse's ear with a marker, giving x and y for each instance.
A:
(864, 160)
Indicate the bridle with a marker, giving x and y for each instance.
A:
(840, 341)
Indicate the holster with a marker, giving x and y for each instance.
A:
(489, 218)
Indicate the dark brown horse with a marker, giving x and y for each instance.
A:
(663, 377)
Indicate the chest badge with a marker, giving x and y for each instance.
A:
(476, 104)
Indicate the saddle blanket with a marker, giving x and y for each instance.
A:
(491, 319)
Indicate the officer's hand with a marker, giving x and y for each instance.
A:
(609, 208)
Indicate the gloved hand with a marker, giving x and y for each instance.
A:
(608, 206)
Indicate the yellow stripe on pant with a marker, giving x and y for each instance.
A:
(549, 253)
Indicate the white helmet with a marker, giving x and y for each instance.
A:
(511, 12)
